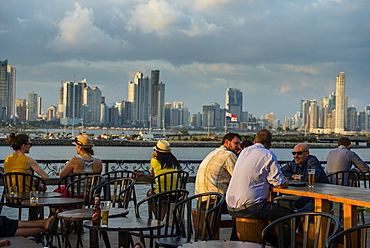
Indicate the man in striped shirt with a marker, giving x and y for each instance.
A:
(215, 171)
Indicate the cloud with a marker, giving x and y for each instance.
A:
(22, 22)
(162, 19)
(77, 32)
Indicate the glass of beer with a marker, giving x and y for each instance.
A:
(311, 177)
(105, 206)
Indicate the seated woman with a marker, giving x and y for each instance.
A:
(163, 161)
(19, 162)
(85, 162)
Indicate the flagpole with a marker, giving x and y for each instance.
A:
(225, 124)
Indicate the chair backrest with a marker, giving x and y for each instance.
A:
(198, 216)
(113, 175)
(344, 178)
(64, 181)
(84, 188)
(24, 183)
(160, 206)
(306, 229)
(346, 237)
(169, 181)
(364, 179)
(117, 191)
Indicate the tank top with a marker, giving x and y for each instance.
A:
(88, 163)
(17, 163)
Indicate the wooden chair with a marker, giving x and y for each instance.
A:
(24, 183)
(352, 237)
(307, 229)
(196, 218)
(113, 175)
(169, 181)
(160, 206)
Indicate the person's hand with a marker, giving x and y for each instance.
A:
(296, 177)
(4, 242)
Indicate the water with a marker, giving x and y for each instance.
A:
(144, 153)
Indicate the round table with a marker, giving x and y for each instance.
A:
(26, 195)
(123, 226)
(222, 244)
(54, 202)
(79, 215)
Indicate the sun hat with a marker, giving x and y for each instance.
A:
(162, 146)
(84, 141)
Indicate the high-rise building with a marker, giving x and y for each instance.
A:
(32, 110)
(211, 116)
(72, 111)
(147, 96)
(351, 119)
(52, 113)
(95, 105)
(21, 109)
(313, 112)
(270, 119)
(7, 90)
(234, 102)
(340, 103)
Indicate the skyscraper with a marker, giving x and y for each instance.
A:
(7, 90)
(340, 103)
(71, 103)
(32, 106)
(21, 109)
(234, 102)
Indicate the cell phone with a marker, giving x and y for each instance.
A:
(146, 172)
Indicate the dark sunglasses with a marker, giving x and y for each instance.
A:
(298, 153)
(29, 143)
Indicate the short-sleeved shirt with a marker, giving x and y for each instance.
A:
(156, 167)
(256, 169)
(215, 171)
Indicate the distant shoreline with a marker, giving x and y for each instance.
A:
(142, 143)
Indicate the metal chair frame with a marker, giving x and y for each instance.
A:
(360, 232)
(173, 179)
(325, 225)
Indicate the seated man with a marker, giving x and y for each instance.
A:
(255, 171)
(297, 170)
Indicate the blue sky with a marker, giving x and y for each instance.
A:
(275, 52)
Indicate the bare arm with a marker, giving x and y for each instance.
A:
(70, 167)
(36, 167)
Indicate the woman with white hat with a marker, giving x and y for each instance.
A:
(86, 162)
(163, 160)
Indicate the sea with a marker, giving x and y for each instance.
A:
(144, 153)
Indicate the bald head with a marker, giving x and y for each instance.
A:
(300, 153)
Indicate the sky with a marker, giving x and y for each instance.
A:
(276, 52)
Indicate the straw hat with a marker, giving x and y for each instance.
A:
(162, 146)
(84, 141)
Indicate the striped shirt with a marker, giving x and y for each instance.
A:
(215, 171)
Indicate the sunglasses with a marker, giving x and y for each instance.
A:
(29, 143)
(298, 153)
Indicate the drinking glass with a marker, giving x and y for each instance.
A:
(105, 206)
(34, 196)
(311, 177)
(13, 191)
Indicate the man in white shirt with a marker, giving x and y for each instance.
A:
(255, 171)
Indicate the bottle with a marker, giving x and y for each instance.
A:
(96, 211)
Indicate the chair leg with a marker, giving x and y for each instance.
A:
(104, 234)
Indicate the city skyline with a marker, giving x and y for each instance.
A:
(276, 53)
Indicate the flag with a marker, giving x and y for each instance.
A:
(230, 116)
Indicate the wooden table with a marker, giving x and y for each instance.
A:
(123, 226)
(55, 202)
(222, 244)
(351, 197)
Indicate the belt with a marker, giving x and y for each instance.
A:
(239, 208)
